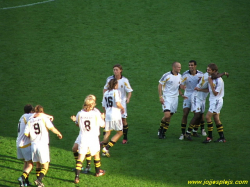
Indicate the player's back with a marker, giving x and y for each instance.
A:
(38, 128)
(109, 102)
(22, 140)
(89, 124)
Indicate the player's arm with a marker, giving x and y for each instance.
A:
(160, 93)
(129, 96)
(104, 110)
(55, 131)
(73, 118)
(217, 75)
(201, 90)
(119, 105)
(210, 81)
(181, 94)
(49, 116)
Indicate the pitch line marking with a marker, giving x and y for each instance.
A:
(32, 4)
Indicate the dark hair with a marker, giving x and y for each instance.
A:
(118, 65)
(112, 83)
(213, 67)
(28, 108)
(39, 109)
(193, 61)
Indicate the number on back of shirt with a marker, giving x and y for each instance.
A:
(109, 101)
(36, 128)
(87, 125)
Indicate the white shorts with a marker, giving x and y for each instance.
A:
(170, 103)
(40, 153)
(198, 105)
(124, 115)
(24, 153)
(187, 102)
(114, 125)
(89, 145)
(215, 106)
(78, 139)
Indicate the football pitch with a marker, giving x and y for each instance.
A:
(56, 52)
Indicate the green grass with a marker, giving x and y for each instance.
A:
(56, 53)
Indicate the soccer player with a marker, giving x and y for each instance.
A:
(126, 92)
(190, 79)
(24, 146)
(113, 108)
(89, 123)
(37, 130)
(77, 142)
(198, 100)
(169, 90)
(216, 90)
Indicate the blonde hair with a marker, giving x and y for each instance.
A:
(39, 109)
(89, 104)
(91, 96)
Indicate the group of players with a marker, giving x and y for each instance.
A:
(33, 143)
(197, 86)
(33, 134)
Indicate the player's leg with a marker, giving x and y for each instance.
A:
(165, 124)
(88, 160)
(78, 167)
(43, 157)
(97, 161)
(125, 130)
(23, 179)
(209, 116)
(202, 125)
(25, 153)
(75, 151)
(194, 121)
(106, 138)
(197, 125)
(44, 170)
(125, 124)
(219, 127)
(111, 143)
(184, 120)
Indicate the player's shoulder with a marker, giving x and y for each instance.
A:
(110, 77)
(198, 71)
(96, 110)
(124, 78)
(167, 74)
(186, 73)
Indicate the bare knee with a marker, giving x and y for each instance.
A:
(75, 147)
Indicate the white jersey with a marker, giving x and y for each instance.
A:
(78, 139)
(190, 81)
(170, 84)
(219, 87)
(22, 140)
(123, 86)
(203, 84)
(110, 98)
(89, 124)
(37, 128)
